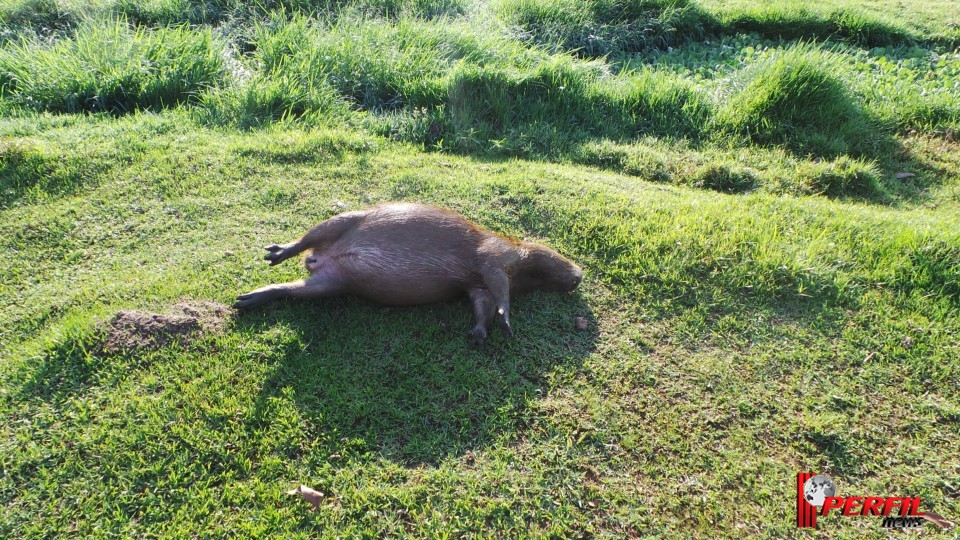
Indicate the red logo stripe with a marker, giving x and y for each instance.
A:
(806, 512)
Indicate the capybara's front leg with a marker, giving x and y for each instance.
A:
(498, 283)
(483, 310)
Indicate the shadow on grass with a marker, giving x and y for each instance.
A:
(66, 369)
(26, 171)
(836, 449)
(405, 383)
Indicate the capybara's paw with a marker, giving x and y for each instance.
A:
(250, 300)
(505, 326)
(477, 336)
(277, 254)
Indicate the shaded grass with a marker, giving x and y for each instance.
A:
(600, 27)
(30, 172)
(905, 88)
(727, 170)
(934, 22)
(792, 21)
(52, 18)
(456, 88)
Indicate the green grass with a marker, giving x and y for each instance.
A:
(52, 18)
(870, 22)
(765, 205)
(111, 68)
(794, 99)
(600, 27)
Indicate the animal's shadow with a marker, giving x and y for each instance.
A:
(404, 382)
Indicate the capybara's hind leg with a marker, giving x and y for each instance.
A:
(317, 238)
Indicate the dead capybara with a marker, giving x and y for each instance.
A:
(405, 254)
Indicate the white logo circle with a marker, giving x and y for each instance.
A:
(818, 488)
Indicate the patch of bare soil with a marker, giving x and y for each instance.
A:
(186, 322)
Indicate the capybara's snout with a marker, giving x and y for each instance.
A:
(576, 278)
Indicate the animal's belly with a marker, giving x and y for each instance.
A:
(404, 276)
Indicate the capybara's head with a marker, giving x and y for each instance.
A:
(544, 269)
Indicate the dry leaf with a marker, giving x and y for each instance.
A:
(938, 520)
(903, 175)
(582, 323)
(309, 494)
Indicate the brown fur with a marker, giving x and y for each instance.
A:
(406, 254)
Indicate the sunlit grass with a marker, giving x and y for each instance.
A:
(764, 198)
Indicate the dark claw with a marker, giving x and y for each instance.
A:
(276, 254)
(505, 326)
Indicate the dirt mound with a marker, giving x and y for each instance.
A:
(186, 322)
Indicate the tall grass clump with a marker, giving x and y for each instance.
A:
(45, 17)
(112, 68)
(797, 98)
(354, 9)
(598, 27)
(381, 66)
(38, 16)
(516, 112)
(275, 97)
(382, 8)
(168, 12)
(464, 88)
(549, 109)
(655, 102)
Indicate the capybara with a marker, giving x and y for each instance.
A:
(406, 254)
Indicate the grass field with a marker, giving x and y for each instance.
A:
(764, 196)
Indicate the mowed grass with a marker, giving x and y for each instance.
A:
(769, 229)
